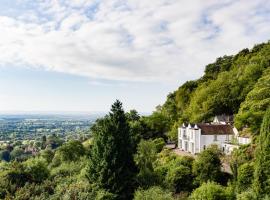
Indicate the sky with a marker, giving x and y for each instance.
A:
(82, 55)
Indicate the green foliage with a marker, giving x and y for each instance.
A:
(12, 177)
(153, 193)
(132, 116)
(47, 154)
(35, 191)
(207, 166)
(211, 191)
(17, 154)
(247, 195)
(70, 151)
(262, 163)
(37, 168)
(174, 172)
(222, 64)
(245, 176)
(256, 103)
(179, 178)
(156, 125)
(144, 158)
(111, 162)
(5, 155)
(159, 144)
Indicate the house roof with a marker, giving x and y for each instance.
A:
(216, 129)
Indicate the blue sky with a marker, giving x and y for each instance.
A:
(81, 55)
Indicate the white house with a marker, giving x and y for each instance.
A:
(195, 138)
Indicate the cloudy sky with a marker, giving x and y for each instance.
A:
(81, 55)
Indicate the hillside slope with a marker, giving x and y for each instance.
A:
(238, 85)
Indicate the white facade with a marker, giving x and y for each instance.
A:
(191, 139)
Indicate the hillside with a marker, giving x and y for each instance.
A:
(238, 85)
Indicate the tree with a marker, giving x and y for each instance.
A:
(154, 193)
(111, 162)
(47, 154)
(211, 191)
(159, 144)
(37, 168)
(207, 167)
(70, 151)
(257, 101)
(179, 178)
(5, 155)
(262, 162)
(17, 154)
(133, 115)
(144, 158)
(245, 176)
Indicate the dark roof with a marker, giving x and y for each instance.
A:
(216, 129)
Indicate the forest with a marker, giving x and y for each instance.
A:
(126, 157)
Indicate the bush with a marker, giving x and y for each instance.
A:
(154, 193)
(37, 168)
(245, 176)
(160, 143)
(211, 191)
(179, 178)
(207, 167)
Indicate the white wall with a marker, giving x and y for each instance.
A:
(207, 140)
(243, 140)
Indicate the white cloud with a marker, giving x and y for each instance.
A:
(136, 40)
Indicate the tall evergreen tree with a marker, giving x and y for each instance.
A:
(262, 164)
(111, 162)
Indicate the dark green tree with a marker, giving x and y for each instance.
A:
(145, 157)
(207, 167)
(5, 155)
(111, 164)
(245, 176)
(262, 155)
(179, 178)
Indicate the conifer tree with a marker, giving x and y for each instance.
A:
(262, 164)
(111, 161)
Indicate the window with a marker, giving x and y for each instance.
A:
(215, 137)
(184, 133)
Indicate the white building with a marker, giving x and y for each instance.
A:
(195, 138)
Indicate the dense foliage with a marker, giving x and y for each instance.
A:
(262, 164)
(236, 85)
